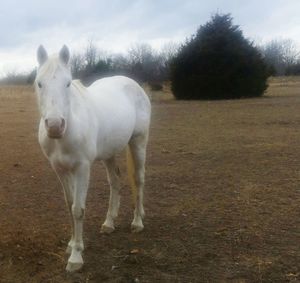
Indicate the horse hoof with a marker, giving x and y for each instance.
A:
(106, 229)
(74, 266)
(136, 228)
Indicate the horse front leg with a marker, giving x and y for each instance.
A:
(67, 181)
(81, 182)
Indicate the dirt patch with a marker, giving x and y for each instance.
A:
(222, 197)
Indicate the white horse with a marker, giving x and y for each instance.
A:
(80, 125)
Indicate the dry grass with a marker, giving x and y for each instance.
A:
(222, 196)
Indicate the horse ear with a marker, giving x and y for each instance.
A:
(42, 55)
(64, 54)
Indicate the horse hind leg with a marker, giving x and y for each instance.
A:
(138, 147)
(114, 199)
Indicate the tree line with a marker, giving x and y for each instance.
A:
(141, 62)
(146, 64)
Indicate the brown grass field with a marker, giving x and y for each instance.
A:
(222, 196)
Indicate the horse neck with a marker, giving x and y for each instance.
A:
(78, 105)
(78, 98)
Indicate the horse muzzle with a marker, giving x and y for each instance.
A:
(55, 127)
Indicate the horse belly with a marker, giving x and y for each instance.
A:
(116, 136)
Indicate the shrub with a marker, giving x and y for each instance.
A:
(155, 86)
(218, 63)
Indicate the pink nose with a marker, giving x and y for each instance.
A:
(55, 127)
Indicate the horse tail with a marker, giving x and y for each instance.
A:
(131, 173)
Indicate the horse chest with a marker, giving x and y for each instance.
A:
(61, 157)
(63, 162)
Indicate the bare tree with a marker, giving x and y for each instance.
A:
(280, 54)
(145, 63)
(169, 51)
(166, 55)
(290, 52)
(77, 64)
(91, 54)
(120, 64)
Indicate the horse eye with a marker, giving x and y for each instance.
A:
(39, 85)
(69, 83)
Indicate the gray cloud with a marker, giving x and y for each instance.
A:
(116, 24)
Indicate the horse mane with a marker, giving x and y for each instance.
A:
(50, 66)
(79, 86)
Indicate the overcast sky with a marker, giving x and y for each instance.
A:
(114, 25)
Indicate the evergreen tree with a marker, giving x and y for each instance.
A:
(218, 63)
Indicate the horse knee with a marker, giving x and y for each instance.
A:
(78, 212)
